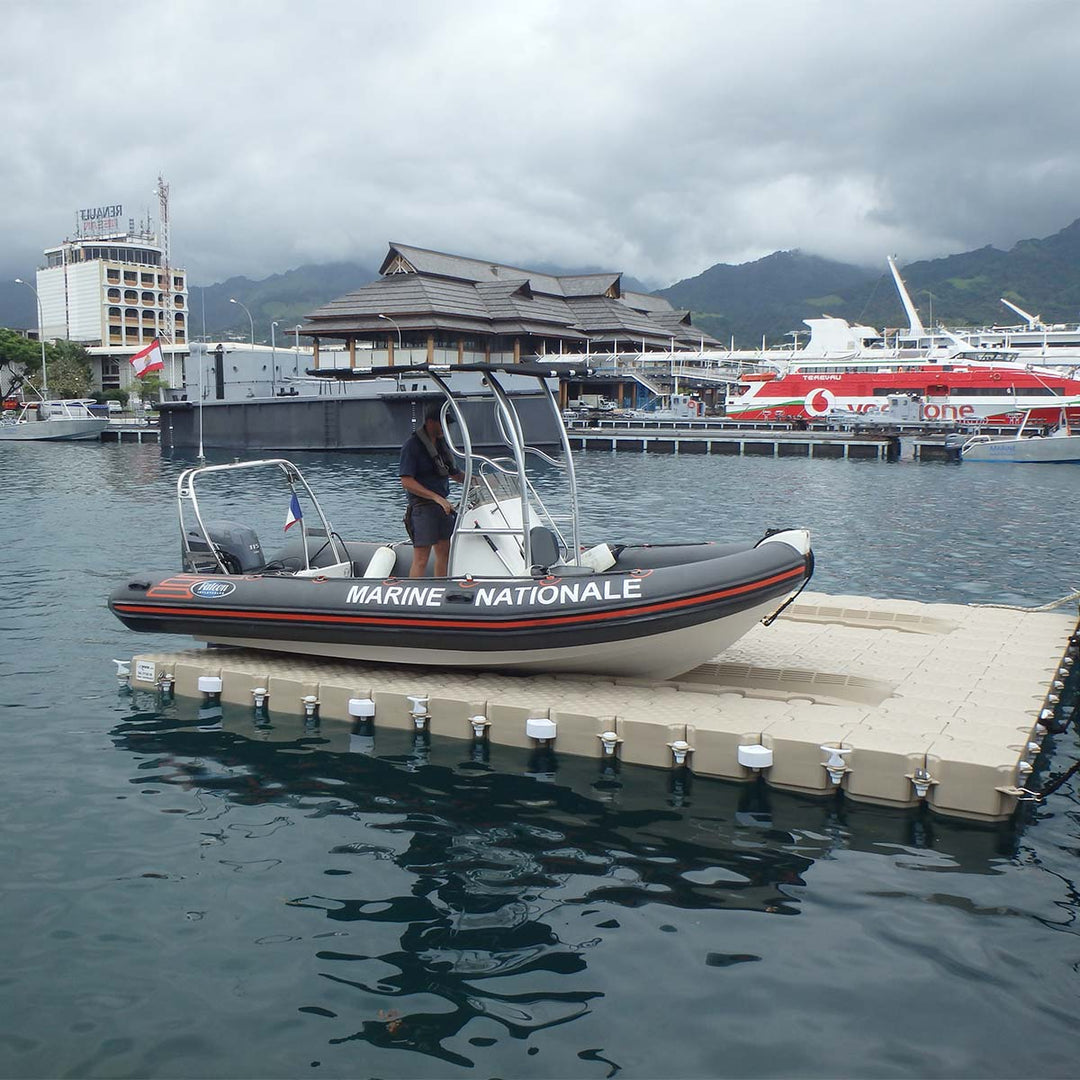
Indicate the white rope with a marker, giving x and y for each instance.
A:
(1041, 607)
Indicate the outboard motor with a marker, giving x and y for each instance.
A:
(237, 545)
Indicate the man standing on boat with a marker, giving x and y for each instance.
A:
(426, 469)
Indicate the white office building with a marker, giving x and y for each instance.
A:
(111, 286)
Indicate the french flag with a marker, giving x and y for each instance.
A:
(150, 359)
(295, 513)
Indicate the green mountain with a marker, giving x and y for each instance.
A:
(1041, 276)
(769, 296)
(773, 295)
(285, 298)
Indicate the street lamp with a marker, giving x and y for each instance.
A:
(931, 320)
(233, 300)
(296, 366)
(395, 326)
(273, 359)
(41, 338)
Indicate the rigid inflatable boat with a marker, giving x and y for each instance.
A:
(522, 593)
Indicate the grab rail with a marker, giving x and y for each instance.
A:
(185, 492)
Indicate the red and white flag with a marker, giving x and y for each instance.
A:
(150, 359)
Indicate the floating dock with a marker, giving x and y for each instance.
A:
(892, 702)
(121, 432)
(778, 442)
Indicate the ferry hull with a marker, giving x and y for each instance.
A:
(970, 395)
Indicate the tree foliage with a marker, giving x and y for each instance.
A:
(69, 370)
(16, 350)
(68, 364)
(149, 387)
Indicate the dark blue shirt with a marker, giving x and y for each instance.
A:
(416, 462)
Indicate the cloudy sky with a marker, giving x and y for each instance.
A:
(653, 138)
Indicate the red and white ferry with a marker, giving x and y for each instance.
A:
(851, 369)
(957, 387)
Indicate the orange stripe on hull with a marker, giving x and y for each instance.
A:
(503, 624)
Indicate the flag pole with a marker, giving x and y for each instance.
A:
(303, 528)
(202, 358)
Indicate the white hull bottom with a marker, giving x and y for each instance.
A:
(657, 656)
(52, 430)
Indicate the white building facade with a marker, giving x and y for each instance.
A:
(111, 286)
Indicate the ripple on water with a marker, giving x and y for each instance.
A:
(228, 901)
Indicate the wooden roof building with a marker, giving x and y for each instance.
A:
(440, 308)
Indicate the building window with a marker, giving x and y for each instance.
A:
(113, 276)
(147, 297)
(130, 277)
(178, 301)
(110, 374)
(178, 318)
(147, 279)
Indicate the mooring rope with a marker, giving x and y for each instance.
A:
(1041, 607)
(1053, 785)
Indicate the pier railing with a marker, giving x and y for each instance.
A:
(708, 365)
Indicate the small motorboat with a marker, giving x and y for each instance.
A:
(522, 593)
(52, 421)
(1025, 447)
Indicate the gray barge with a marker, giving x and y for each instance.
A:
(378, 422)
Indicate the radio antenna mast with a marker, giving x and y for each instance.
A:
(163, 224)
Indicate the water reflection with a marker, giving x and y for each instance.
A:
(478, 880)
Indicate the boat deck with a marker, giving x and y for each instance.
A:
(893, 702)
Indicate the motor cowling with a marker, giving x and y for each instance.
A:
(237, 545)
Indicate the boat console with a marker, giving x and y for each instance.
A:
(504, 528)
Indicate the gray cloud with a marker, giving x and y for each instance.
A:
(653, 140)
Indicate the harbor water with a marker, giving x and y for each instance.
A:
(186, 898)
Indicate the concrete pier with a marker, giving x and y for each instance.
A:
(891, 702)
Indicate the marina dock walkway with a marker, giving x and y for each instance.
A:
(760, 440)
(893, 702)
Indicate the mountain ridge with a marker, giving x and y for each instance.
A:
(767, 297)
(963, 289)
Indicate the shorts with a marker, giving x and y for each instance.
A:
(428, 523)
